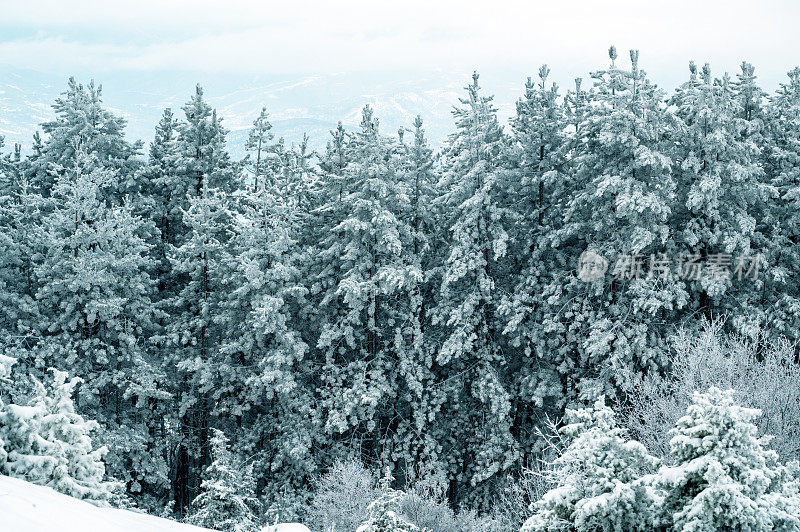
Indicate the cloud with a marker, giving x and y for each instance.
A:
(315, 36)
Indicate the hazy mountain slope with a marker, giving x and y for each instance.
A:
(297, 105)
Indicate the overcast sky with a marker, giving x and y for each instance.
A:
(292, 37)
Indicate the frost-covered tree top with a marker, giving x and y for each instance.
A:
(227, 501)
(49, 444)
(598, 478)
(724, 477)
(383, 512)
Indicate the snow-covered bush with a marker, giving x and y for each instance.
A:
(597, 477)
(342, 496)
(48, 443)
(762, 370)
(348, 495)
(5, 366)
(227, 501)
(426, 507)
(724, 477)
(286, 527)
(5, 370)
(384, 511)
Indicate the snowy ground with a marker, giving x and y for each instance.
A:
(25, 507)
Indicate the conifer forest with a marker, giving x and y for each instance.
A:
(584, 318)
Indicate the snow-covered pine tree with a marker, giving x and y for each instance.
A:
(783, 170)
(167, 193)
(203, 158)
(597, 477)
(161, 199)
(227, 500)
(475, 418)
(261, 373)
(364, 271)
(419, 179)
(723, 477)
(82, 125)
(202, 179)
(297, 178)
(94, 289)
(620, 207)
(416, 448)
(11, 179)
(336, 157)
(20, 213)
(539, 132)
(65, 244)
(195, 329)
(95, 314)
(331, 189)
(47, 443)
(258, 145)
(324, 273)
(720, 183)
(538, 156)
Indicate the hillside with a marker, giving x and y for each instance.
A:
(297, 105)
(25, 507)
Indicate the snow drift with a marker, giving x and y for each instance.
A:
(26, 507)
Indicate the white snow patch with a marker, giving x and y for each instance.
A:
(286, 527)
(26, 507)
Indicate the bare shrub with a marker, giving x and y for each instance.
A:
(426, 507)
(762, 370)
(341, 497)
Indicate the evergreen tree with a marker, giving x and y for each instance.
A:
(619, 209)
(724, 477)
(95, 314)
(227, 501)
(11, 179)
(539, 159)
(720, 180)
(83, 126)
(20, 214)
(365, 243)
(415, 446)
(167, 192)
(478, 404)
(195, 329)
(201, 178)
(597, 478)
(262, 374)
(783, 164)
(258, 143)
(94, 290)
(298, 179)
(203, 158)
(47, 443)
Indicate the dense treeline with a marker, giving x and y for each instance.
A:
(411, 308)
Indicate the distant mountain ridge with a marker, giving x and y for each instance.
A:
(297, 105)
